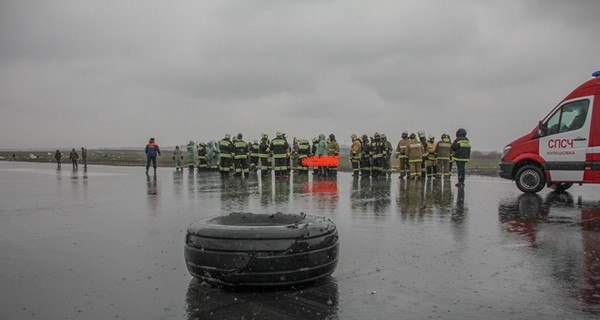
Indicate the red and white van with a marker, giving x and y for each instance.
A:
(563, 149)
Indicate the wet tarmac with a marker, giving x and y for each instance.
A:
(107, 243)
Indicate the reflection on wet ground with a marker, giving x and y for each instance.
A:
(556, 207)
(317, 301)
(564, 233)
(108, 243)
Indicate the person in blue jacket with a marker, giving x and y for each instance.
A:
(152, 150)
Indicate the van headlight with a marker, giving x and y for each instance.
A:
(505, 151)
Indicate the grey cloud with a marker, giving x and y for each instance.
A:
(200, 69)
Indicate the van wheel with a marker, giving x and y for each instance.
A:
(530, 179)
(561, 186)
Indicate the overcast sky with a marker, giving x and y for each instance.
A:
(114, 73)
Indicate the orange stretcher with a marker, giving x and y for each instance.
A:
(328, 161)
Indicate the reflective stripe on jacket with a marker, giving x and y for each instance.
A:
(279, 147)
(225, 148)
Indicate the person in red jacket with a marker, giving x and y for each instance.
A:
(152, 150)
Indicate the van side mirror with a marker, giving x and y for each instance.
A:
(542, 129)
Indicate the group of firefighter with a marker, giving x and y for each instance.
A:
(234, 155)
(417, 156)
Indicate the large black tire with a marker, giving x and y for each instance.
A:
(530, 179)
(264, 250)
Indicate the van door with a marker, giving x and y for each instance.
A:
(564, 140)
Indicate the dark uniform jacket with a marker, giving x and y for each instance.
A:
(461, 148)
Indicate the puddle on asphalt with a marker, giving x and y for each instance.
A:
(562, 233)
(554, 208)
(413, 246)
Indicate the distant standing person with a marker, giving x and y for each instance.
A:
(74, 157)
(178, 158)
(84, 157)
(461, 148)
(414, 151)
(58, 157)
(226, 152)
(322, 151)
(152, 150)
(355, 154)
(333, 149)
(443, 153)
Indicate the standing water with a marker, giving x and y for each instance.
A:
(107, 243)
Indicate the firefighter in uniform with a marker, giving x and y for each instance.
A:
(294, 156)
(288, 162)
(415, 156)
(365, 156)
(280, 148)
(202, 162)
(354, 156)
(264, 153)
(254, 155)
(334, 150)
(376, 153)
(387, 152)
(461, 149)
(443, 151)
(421, 136)
(303, 153)
(313, 152)
(402, 156)
(431, 159)
(240, 158)
(226, 152)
